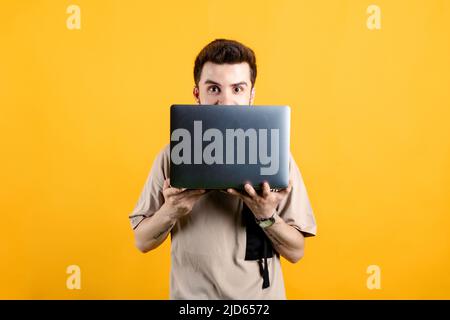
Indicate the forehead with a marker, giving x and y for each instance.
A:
(226, 73)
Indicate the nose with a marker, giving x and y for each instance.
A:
(227, 98)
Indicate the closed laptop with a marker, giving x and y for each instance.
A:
(219, 147)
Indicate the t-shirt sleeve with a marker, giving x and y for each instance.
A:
(151, 198)
(296, 209)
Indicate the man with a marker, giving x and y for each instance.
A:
(225, 244)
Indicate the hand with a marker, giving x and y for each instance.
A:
(263, 206)
(180, 201)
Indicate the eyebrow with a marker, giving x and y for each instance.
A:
(218, 84)
(212, 82)
(240, 84)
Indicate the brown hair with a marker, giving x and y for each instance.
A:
(222, 51)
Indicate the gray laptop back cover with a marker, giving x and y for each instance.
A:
(219, 147)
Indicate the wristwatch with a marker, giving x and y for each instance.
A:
(265, 223)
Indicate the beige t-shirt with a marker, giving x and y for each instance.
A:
(208, 245)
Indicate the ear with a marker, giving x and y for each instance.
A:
(252, 95)
(196, 94)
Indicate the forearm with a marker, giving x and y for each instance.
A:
(152, 232)
(286, 240)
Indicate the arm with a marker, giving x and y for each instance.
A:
(287, 240)
(152, 232)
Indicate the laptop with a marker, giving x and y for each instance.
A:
(220, 147)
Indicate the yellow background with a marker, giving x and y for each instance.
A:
(84, 112)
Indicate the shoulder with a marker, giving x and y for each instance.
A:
(292, 163)
(294, 170)
(161, 163)
(165, 151)
(163, 155)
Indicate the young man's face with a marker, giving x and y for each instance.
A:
(225, 84)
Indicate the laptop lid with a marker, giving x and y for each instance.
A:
(219, 147)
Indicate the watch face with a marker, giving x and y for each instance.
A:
(266, 223)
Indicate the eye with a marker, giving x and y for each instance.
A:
(213, 89)
(238, 89)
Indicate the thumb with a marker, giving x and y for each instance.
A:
(166, 184)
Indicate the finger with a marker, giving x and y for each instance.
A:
(287, 190)
(174, 191)
(265, 189)
(234, 192)
(182, 189)
(237, 193)
(193, 197)
(250, 190)
(197, 196)
(190, 193)
(166, 184)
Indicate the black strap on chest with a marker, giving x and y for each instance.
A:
(258, 246)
